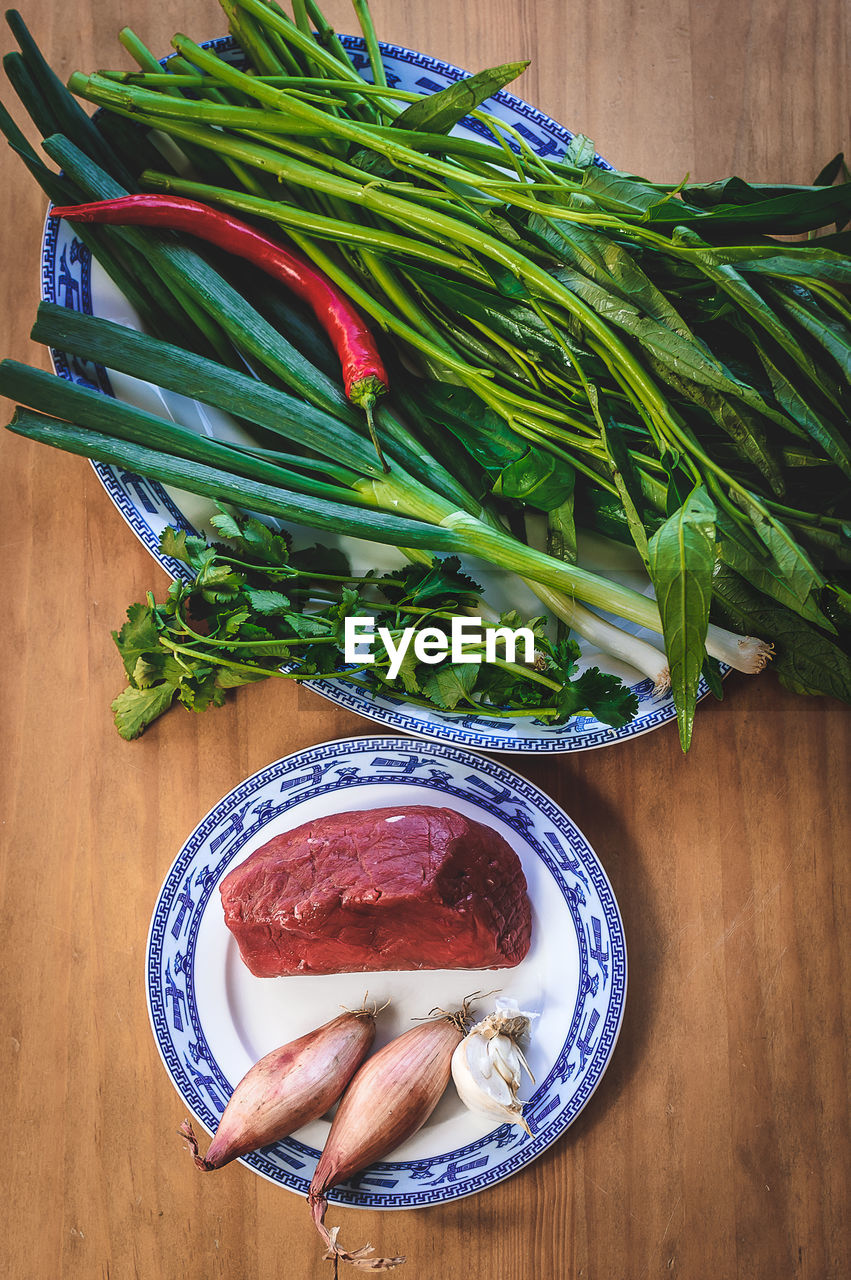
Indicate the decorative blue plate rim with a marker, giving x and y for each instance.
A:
(542, 829)
(147, 507)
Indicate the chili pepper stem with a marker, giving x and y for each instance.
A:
(368, 404)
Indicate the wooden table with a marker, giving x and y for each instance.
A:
(717, 1144)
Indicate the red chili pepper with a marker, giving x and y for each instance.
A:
(364, 376)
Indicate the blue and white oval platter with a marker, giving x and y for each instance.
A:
(70, 278)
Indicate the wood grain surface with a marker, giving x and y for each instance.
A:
(718, 1142)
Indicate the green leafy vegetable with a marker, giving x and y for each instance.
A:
(441, 111)
(655, 361)
(682, 556)
(232, 625)
(806, 660)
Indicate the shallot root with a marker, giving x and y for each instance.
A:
(361, 1258)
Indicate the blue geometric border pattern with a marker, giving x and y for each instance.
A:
(496, 791)
(148, 509)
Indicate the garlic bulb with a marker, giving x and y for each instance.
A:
(487, 1064)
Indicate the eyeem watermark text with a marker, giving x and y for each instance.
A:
(432, 645)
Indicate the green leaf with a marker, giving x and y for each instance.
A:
(712, 676)
(786, 210)
(233, 622)
(538, 478)
(561, 531)
(682, 555)
(220, 583)
(759, 567)
(754, 305)
(628, 487)
(830, 172)
(267, 602)
(680, 483)
(373, 163)
(202, 691)
(484, 433)
(600, 695)
(817, 265)
(519, 471)
(227, 525)
(138, 637)
(185, 547)
(440, 583)
(350, 605)
(744, 428)
(448, 685)
(800, 407)
(407, 675)
(797, 569)
(837, 604)
(320, 559)
(228, 678)
(515, 321)
(627, 194)
(831, 336)
(173, 543)
(610, 265)
(600, 510)
(580, 152)
(439, 112)
(834, 544)
(135, 709)
(806, 660)
(564, 658)
(156, 668)
(304, 625)
(682, 359)
(254, 540)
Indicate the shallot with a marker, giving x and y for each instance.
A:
(390, 1098)
(288, 1088)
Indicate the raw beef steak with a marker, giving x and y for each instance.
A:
(408, 888)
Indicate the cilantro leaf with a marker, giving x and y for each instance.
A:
(253, 540)
(182, 546)
(231, 623)
(173, 543)
(320, 559)
(228, 678)
(226, 524)
(408, 672)
(448, 685)
(267, 601)
(305, 624)
(441, 581)
(135, 709)
(138, 637)
(600, 694)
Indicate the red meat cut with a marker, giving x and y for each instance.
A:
(407, 888)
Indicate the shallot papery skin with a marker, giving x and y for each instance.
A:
(288, 1088)
(390, 1098)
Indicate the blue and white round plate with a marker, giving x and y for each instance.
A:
(70, 278)
(212, 1020)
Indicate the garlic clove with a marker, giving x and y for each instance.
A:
(488, 1063)
(503, 1055)
(483, 1093)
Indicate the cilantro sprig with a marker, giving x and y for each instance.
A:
(255, 607)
